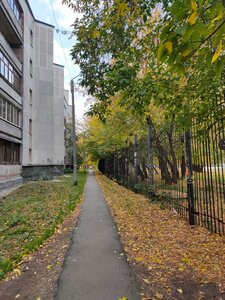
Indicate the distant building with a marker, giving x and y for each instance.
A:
(31, 97)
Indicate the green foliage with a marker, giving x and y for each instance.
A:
(145, 189)
(166, 53)
(149, 191)
(195, 29)
(69, 147)
(68, 144)
(103, 138)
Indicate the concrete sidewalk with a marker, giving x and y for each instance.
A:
(8, 184)
(95, 267)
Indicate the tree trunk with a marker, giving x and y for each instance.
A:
(183, 166)
(140, 173)
(164, 168)
(163, 158)
(144, 169)
(174, 169)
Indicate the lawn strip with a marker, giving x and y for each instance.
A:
(172, 259)
(30, 215)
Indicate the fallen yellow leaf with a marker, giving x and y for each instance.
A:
(186, 260)
(17, 271)
(146, 280)
(139, 258)
(159, 296)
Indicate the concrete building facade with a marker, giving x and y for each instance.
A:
(31, 97)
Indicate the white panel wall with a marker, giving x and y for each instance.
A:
(28, 80)
(43, 101)
(58, 112)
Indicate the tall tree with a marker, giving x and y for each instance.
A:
(166, 52)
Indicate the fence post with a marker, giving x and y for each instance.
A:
(135, 159)
(114, 164)
(190, 189)
(117, 166)
(126, 163)
(150, 149)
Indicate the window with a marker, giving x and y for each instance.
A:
(8, 115)
(18, 117)
(8, 72)
(1, 64)
(12, 109)
(31, 38)
(11, 75)
(30, 126)
(16, 81)
(9, 112)
(6, 68)
(4, 109)
(31, 67)
(2, 152)
(31, 96)
(15, 116)
(15, 8)
(1, 109)
(30, 155)
(9, 152)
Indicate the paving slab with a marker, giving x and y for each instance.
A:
(95, 267)
(9, 183)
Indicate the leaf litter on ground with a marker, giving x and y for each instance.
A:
(172, 259)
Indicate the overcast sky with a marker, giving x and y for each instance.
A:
(63, 19)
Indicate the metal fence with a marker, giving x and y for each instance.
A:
(185, 171)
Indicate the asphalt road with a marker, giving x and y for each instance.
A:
(95, 267)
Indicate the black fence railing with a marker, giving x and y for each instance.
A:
(185, 171)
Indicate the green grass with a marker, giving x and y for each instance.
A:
(31, 214)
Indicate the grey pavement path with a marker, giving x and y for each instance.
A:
(94, 268)
(5, 192)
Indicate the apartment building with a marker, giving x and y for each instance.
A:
(31, 97)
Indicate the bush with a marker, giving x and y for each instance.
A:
(145, 189)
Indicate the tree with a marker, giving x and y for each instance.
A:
(193, 32)
(106, 139)
(152, 51)
(81, 154)
(68, 144)
(103, 138)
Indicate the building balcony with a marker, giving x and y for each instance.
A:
(10, 24)
(10, 71)
(10, 132)
(10, 52)
(9, 91)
